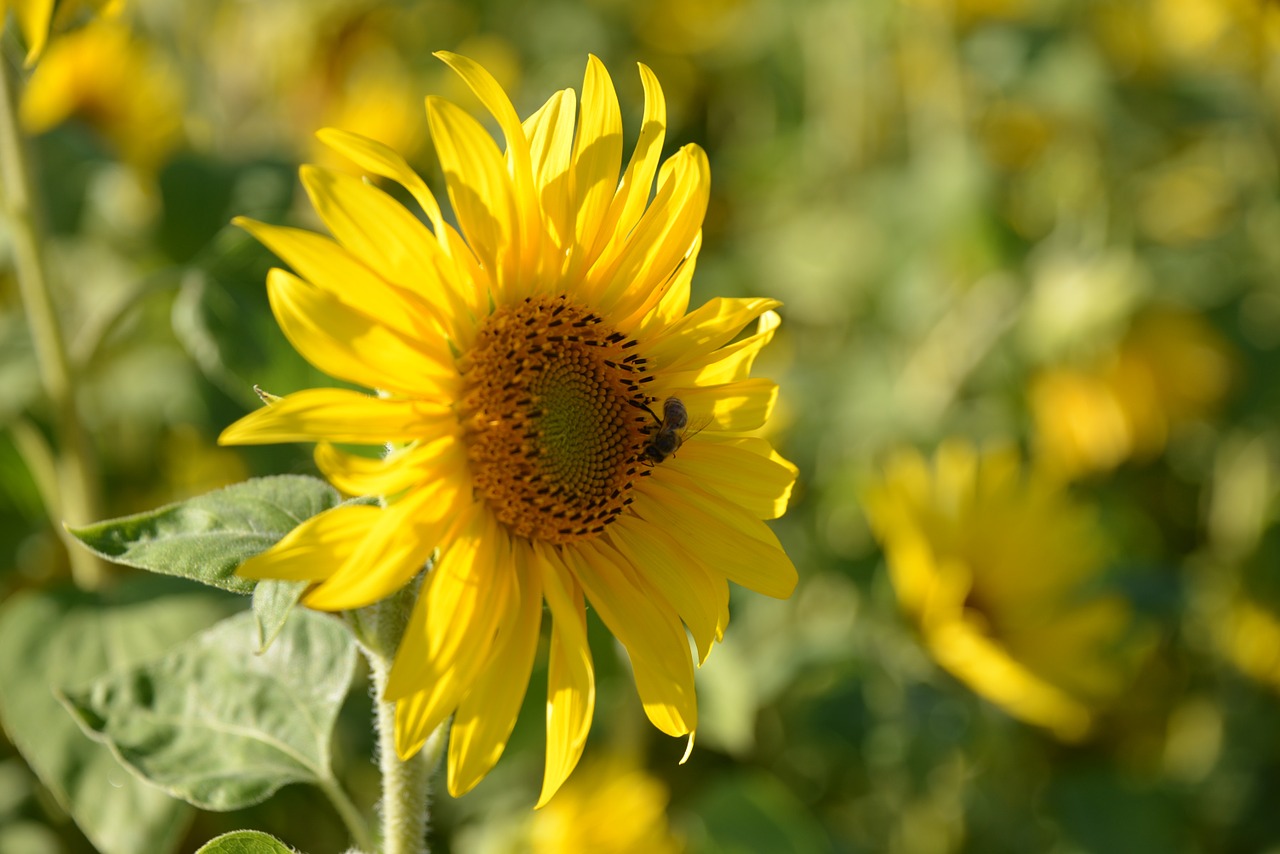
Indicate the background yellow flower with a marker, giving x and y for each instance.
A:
(114, 83)
(1170, 369)
(36, 16)
(1002, 572)
(611, 806)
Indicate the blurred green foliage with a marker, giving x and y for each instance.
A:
(953, 198)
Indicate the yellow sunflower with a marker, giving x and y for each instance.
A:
(1172, 368)
(35, 16)
(113, 82)
(612, 806)
(997, 566)
(525, 364)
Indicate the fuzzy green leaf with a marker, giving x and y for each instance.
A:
(59, 638)
(207, 537)
(244, 842)
(216, 724)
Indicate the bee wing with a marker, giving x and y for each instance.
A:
(695, 426)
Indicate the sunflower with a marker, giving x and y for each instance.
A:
(1172, 368)
(612, 804)
(525, 364)
(1002, 572)
(116, 84)
(35, 18)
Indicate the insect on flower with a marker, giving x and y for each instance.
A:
(671, 431)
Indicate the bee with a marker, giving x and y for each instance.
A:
(670, 434)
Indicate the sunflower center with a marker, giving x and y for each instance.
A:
(553, 419)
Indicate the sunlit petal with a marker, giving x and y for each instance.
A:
(337, 415)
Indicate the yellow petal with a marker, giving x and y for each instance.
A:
(648, 629)
(733, 407)
(397, 547)
(724, 537)
(379, 231)
(315, 548)
(597, 159)
(337, 415)
(633, 193)
(389, 475)
(730, 363)
(480, 190)
(571, 686)
(630, 282)
(550, 132)
(712, 325)
(484, 720)
(33, 19)
(467, 595)
(347, 343)
(527, 223)
(410, 734)
(332, 268)
(989, 670)
(675, 298)
(378, 159)
(745, 471)
(698, 596)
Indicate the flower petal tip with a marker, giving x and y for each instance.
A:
(688, 750)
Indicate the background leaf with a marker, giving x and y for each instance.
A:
(206, 538)
(64, 637)
(220, 726)
(245, 842)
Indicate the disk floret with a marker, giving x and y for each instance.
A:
(554, 418)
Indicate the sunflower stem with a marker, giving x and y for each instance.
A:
(406, 784)
(76, 484)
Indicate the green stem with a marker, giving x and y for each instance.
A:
(406, 785)
(77, 484)
(38, 456)
(350, 814)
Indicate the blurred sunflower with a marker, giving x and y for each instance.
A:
(1249, 636)
(114, 83)
(1171, 368)
(524, 362)
(995, 564)
(35, 18)
(611, 806)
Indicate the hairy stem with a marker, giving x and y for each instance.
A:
(406, 784)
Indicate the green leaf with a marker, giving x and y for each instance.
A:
(219, 726)
(272, 602)
(206, 538)
(59, 638)
(245, 842)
